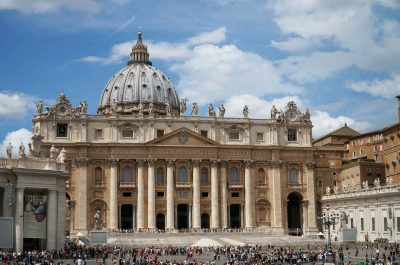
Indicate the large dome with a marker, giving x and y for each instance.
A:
(139, 88)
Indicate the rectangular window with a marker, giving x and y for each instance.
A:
(204, 133)
(320, 183)
(354, 154)
(98, 133)
(127, 194)
(204, 194)
(351, 223)
(160, 133)
(398, 224)
(260, 137)
(160, 194)
(362, 224)
(235, 194)
(373, 224)
(385, 224)
(292, 135)
(234, 136)
(62, 130)
(127, 133)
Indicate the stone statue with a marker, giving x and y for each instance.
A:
(167, 107)
(345, 187)
(195, 109)
(343, 220)
(336, 189)
(211, 111)
(221, 111)
(31, 153)
(307, 116)
(39, 107)
(53, 152)
(328, 191)
(183, 106)
(98, 225)
(83, 106)
(377, 183)
(365, 184)
(9, 150)
(140, 108)
(62, 156)
(22, 150)
(389, 180)
(246, 111)
(273, 112)
(151, 108)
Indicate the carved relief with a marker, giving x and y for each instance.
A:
(63, 108)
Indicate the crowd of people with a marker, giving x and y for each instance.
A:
(77, 254)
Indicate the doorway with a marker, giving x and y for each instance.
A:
(160, 221)
(183, 216)
(294, 214)
(205, 221)
(126, 216)
(235, 216)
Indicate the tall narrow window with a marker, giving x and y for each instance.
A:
(98, 174)
(204, 176)
(292, 135)
(182, 177)
(385, 224)
(362, 224)
(234, 176)
(160, 176)
(127, 174)
(262, 180)
(373, 224)
(293, 176)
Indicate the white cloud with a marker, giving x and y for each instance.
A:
(294, 44)
(216, 36)
(15, 138)
(50, 6)
(15, 105)
(387, 88)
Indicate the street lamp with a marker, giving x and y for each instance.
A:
(329, 219)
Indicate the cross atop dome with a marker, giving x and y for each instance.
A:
(139, 52)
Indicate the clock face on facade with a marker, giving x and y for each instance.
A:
(62, 110)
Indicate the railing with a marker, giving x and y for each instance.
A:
(262, 185)
(99, 184)
(296, 185)
(160, 184)
(183, 184)
(235, 185)
(127, 185)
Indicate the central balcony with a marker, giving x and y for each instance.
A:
(235, 185)
(127, 185)
(183, 184)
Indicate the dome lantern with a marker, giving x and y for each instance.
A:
(139, 52)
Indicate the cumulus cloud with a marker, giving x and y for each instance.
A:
(387, 88)
(322, 34)
(15, 138)
(15, 105)
(50, 6)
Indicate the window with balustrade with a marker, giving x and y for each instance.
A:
(127, 174)
(182, 174)
(293, 176)
(234, 177)
(262, 177)
(204, 176)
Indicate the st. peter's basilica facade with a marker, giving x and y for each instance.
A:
(146, 162)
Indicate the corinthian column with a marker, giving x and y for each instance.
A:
(170, 195)
(196, 195)
(224, 204)
(248, 195)
(214, 195)
(82, 163)
(276, 196)
(151, 202)
(113, 163)
(140, 192)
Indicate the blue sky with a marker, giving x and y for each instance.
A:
(340, 59)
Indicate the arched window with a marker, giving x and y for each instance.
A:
(261, 177)
(204, 176)
(127, 174)
(293, 176)
(98, 174)
(160, 176)
(182, 177)
(234, 176)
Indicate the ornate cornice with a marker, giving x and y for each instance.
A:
(195, 162)
(139, 162)
(82, 162)
(151, 162)
(112, 162)
(248, 163)
(275, 163)
(170, 162)
(214, 162)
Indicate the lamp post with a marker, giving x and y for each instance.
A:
(329, 219)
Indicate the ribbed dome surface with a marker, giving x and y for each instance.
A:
(139, 82)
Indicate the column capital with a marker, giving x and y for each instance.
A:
(248, 163)
(151, 162)
(310, 164)
(139, 162)
(223, 163)
(82, 162)
(170, 162)
(112, 162)
(195, 162)
(275, 164)
(214, 162)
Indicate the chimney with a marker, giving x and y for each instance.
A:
(398, 108)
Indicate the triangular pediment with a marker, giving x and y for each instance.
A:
(183, 137)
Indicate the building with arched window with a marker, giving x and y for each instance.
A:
(146, 162)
